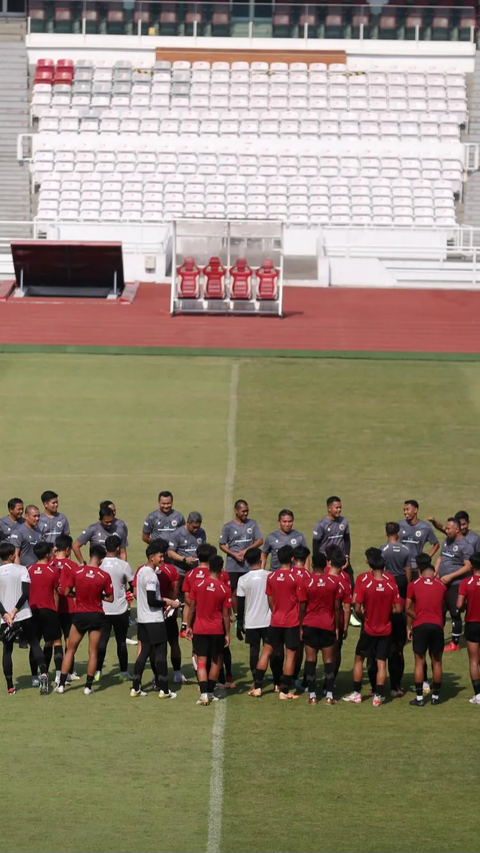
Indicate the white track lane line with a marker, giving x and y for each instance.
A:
(215, 806)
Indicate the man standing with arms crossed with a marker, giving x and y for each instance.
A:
(415, 533)
(236, 538)
(451, 567)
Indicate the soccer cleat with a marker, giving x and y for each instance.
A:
(312, 700)
(169, 695)
(354, 622)
(452, 647)
(43, 685)
(475, 700)
(72, 676)
(97, 675)
(354, 697)
(426, 688)
(57, 679)
(418, 702)
(135, 693)
(180, 678)
(182, 635)
(131, 642)
(256, 692)
(330, 701)
(212, 698)
(59, 689)
(35, 681)
(88, 691)
(124, 676)
(204, 700)
(377, 701)
(287, 696)
(396, 694)
(435, 700)
(12, 690)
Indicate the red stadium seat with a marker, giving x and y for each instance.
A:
(43, 75)
(189, 274)
(241, 276)
(65, 64)
(267, 276)
(45, 63)
(63, 75)
(214, 274)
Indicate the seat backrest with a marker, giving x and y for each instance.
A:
(267, 276)
(188, 274)
(214, 279)
(241, 276)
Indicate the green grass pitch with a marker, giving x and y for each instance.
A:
(110, 775)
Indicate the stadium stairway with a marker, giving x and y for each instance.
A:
(15, 197)
(471, 214)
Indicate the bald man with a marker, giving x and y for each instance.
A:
(25, 536)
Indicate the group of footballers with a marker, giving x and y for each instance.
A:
(302, 605)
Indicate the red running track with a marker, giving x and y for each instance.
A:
(343, 319)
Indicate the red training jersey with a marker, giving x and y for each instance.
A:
(167, 577)
(427, 595)
(199, 574)
(89, 584)
(470, 588)
(301, 573)
(321, 592)
(43, 584)
(211, 596)
(378, 597)
(63, 567)
(286, 591)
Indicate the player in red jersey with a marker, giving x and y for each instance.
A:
(320, 610)
(375, 599)
(91, 587)
(336, 566)
(210, 605)
(469, 592)
(424, 608)
(169, 580)
(66, 605)
(43, 602)
(284, 595)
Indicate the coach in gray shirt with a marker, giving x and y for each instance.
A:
(397, 558)
(25, 536)
(14, 517)
(414, 533)
(463, 517)
(285, 535)
(236, 538)
(52, 523)
(97, 533)
(162, 522)
(183, 544)
(452, 565)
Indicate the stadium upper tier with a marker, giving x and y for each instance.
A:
(430, 20)
(303, 144)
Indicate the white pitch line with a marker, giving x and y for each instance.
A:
(215, 806)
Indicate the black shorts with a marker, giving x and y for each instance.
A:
(152, 633)
(374, 648)
(428, 638)
(399, 629)
(472, 632)
(84, 622)
(288, 637)
(318, 638)
(65, 623)
(171, 627)
(209, 645)
(255, 636)
(47, 624)
(118, 621)
(234, 578)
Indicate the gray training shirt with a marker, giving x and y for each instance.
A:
(96, 534)
(453, 554)
(185, 543)
(397, 558)
(25, 538)
(472, 538)
(328, 532)
(238, 537)
(7, 525)
(50, 528)
(277, 540)
(414, 537)
(159, 525)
